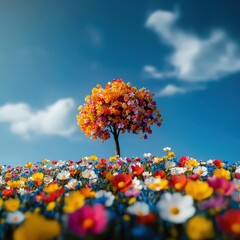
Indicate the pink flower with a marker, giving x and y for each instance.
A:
(88, 219)
(221, 186)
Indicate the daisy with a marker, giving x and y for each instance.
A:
(63, 175)
(176, 208)
(90, 174)
(201, 170)
(139, 209)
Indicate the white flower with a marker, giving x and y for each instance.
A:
(210, 162)
(137, 184)
(72, 184)
(2, 181)
(138, 208)
(237, 183)
(60, 163)
(170, 164)
(146, 174)
(178, 170)
(201, 170)
(22, 191)
(166, 149)
(63, 175)
(175, 207)
(147, 155)
(151, 180)
(15, 217)
(107, 195)
(47, 179)
(90, 174)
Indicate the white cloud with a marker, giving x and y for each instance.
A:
(194, 58)
(171, 90)
(53, 120)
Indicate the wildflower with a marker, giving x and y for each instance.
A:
(221, 172)
(159, 174)
(166, 149)
(200, 170)
(87, 193)
(192, 162)
(37, 227)
(215, 204)
(218, 163)
(11, 204)
(138, 209)
(63, 175)
(198, 190)
(230, 222)
(147, 155)
(147, 219)
(15, 217)
(178, 170)
(175, 207)
(90, 174)
(221, 185)
(122, 182)
(88, 220)
(72, 184)
(156, 184)
(200, 228)
(73, 202)
(105, 197)
(136, 170)
(170, 164)
(52, 187)
(178, 182)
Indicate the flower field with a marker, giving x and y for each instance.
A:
(121, 198)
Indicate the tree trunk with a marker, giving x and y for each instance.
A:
(117, 146)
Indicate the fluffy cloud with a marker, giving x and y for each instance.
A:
(53, 120)
(171, 90)
(194, 59)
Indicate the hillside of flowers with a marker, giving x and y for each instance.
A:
(150, 197)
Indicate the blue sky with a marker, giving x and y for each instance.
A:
(52, 53)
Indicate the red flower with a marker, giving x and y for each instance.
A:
(7, 192)
(218, 163)
(178, 182)
(194, 177)
(137, 170)
(230, 222)
(237, 175)
(148, 219)
(122, 182)
(183, 161)
(159, 174)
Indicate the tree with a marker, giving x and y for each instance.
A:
(118, 108)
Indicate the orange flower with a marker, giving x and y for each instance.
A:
(122, 182)
(178, 182)
(137, 170)
(87, 193)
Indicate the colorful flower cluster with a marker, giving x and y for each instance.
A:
(121, 198)
(118, 108)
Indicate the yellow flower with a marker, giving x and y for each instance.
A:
(158, 185)
(37, 227)
(51, 206)
(198, 190)
(132, 200)
(37, 176)
(200, 228)
(28, 165)
(112, 158)
(51, 188)
(222, 173)
(170, 155)
(1, 202)
(46, 161)
(12, 204)
(192, 162)
(73, 202)
(14, 184)
(93, 158)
